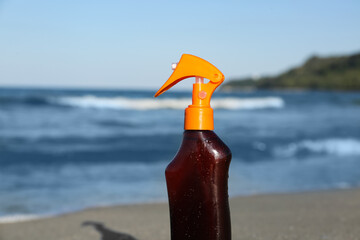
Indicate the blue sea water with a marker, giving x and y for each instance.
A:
(65, 150)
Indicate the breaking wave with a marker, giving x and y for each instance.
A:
(331, 146)
(167, 103)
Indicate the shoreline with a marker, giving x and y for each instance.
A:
(330, 214)
(19, 218)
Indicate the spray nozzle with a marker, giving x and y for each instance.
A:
(199, 115)
(192, 66)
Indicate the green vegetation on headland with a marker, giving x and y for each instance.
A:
(317, 73)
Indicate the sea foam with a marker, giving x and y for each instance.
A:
(229, 103)
(19, 218)
(330, 146)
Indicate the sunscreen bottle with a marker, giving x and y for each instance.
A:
(197, 177)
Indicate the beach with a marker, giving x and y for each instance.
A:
(313, 215)
(94, 161)
(111, 110)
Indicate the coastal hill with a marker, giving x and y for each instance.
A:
(317, 73)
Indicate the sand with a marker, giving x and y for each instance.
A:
(317, 215)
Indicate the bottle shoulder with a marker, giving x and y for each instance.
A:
(203, 144)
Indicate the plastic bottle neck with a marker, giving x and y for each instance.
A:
(199, 115)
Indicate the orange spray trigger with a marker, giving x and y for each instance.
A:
(199, 115)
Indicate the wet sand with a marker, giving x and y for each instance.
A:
(316, 215)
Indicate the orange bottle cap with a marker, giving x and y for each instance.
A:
(199, 115)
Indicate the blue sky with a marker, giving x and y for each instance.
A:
(131, 44)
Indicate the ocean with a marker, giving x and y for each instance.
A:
(66, 150)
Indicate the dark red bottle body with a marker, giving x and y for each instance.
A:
(197, 182)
